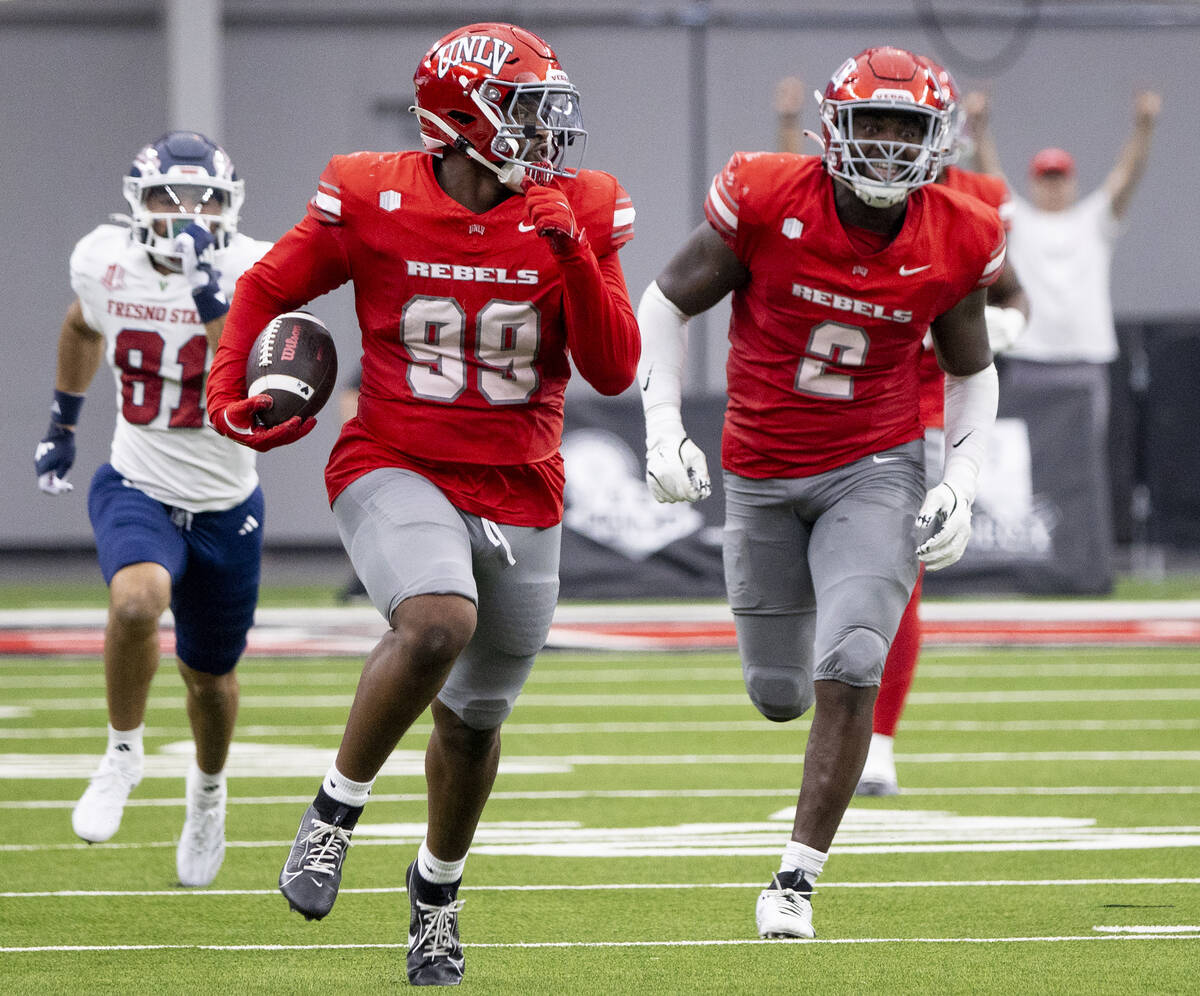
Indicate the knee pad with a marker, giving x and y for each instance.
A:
(857, 658)
(780, 694)
(479, 713)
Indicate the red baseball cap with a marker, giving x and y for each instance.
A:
(1052, 161)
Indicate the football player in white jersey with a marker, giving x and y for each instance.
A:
(177, 511)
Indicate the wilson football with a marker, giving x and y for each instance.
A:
(295, 362)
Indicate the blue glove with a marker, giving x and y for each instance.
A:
(53, 458)
(195, 246)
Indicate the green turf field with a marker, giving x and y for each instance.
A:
(1047, 839)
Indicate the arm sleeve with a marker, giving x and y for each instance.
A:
(307, 262)
(660, 373)
(970, 414)
(602, 333)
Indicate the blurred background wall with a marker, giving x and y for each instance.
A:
(669, 91)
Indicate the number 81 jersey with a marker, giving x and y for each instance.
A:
(156, 347)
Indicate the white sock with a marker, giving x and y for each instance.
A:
(435, 869)
(342, 789)
(207, 790)
(205, 782)
(809, 860)
(882, 749)
(126, 745)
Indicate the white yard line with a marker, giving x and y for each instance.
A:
(633, 886)
(528, 945)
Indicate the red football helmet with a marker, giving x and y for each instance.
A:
(957, 121)
(884, 80)
(497, 92)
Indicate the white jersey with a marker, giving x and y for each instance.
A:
(1063, 260)
(155, 344)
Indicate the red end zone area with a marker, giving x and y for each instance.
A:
(333, 632)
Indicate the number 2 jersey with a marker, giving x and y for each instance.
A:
(825, 338)
(466, 323)
(156, 347)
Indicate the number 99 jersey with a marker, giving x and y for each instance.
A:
(464, 333)
(156, 346)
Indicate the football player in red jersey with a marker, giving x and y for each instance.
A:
(479, 266)
(837, 265)
(1005, 314)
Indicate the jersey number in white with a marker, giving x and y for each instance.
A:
(507, 336)
(831, 342)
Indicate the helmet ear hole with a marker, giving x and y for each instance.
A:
(461, 117)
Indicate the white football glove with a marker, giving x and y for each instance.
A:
(949, 519)
(1004, 326)
(676, 469)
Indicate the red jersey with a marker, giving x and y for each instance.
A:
(464, 321)
(825, 338)
(993, 191)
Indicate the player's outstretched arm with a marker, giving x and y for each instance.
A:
(80, 350)
(971, 395)
(697, 277)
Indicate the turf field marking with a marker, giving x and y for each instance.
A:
(247, 760)
(1190, 928)
(252, 676)
(863, 831)
(619, 887)
(640, 700)
(713, 793)
(664, 726)
(529, 945)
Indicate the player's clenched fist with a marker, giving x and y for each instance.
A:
(547, 209)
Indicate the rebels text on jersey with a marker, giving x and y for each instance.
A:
(464, 332)
(825, 338)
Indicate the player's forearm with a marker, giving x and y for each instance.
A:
(602, 332)
(80, 350)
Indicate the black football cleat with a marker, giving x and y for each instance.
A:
(435, 955)
(313, 871)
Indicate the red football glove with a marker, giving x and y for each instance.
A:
(547, 209)
(237, 422)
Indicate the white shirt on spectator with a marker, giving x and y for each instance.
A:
(1063, 259)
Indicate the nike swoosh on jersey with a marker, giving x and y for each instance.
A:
(524, 226)
(908, 271)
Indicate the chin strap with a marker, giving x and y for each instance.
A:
(510, 174)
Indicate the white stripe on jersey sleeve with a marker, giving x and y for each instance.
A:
(329, 204)
(720, 207)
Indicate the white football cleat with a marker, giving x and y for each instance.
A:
(784, 908)
(202, 843)
(97, 814)
(879, 773)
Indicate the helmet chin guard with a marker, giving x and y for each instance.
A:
(885, 82)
